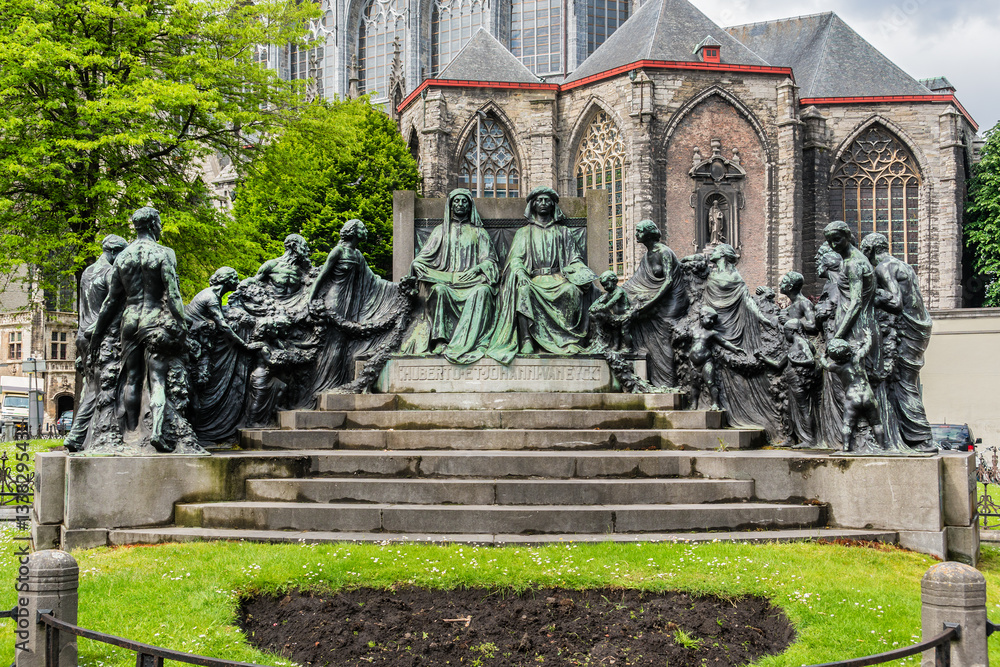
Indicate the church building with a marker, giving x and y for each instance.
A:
(755, 135)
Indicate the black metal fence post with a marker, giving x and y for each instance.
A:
(47, 583)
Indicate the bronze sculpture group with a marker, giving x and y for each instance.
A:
(841, 374)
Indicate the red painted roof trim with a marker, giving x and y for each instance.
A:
(672, 64)
(648, 64)
(454, 83)
(663, 64)
(806, 101)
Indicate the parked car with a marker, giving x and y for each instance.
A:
(954, 436)
(65, 422)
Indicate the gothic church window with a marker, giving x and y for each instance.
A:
(876, 188)
(382, 23)
(600, 164)
(536, 34)
(305, 64)
(489, 165)
(603, 18)
(453, 22)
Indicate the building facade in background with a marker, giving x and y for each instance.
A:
(767, 131)
(35, 325)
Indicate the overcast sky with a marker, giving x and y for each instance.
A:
(958, 39)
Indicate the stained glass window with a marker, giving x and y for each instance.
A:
(536, 34)
(489, 165)
(603, 18)
(876, 188)
(453, 22)
(600, 164)
(382, 23)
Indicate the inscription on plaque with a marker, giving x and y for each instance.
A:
(544, 374)
(539, 373)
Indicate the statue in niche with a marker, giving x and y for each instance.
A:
(716, 224)
(898, 294)
(609, 315)
(658, 293)
(704, 341)
(459, 266)
(152, 388)
(354, 308)
(798, 367)
(221, 364)
(544, 283)
(94, 286)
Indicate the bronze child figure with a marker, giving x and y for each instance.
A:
(800, 308)
(609, 314)
(706, 338)
(859, 399)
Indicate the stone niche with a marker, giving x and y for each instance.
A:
(717, 198)
(686, 218)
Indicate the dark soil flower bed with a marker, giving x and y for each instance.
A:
(481, 628)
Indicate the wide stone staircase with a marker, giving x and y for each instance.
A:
(496, 468)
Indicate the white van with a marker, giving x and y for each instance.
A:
(14, 399)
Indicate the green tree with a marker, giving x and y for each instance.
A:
(109, 105)
(340, 160)
(982, 226)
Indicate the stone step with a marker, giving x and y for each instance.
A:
(500, 419)
(391, 518)
(167, 534)
(430, 491)
(500, 401)
(507, 439)
(500, 464)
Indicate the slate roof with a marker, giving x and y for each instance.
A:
(483, 58)
(828, 58)
(663, 30)
(938, 84)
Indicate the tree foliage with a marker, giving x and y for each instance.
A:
(109, 105)
(982, 227)
(340, 160)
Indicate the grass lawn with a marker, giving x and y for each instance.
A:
(844, 601)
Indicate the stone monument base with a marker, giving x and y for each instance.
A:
(584, 373)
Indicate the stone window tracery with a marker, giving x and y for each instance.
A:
(490, 166)
(603, 18)
(307, 65)
(536, 34)
(876, 188)
(453, 22)
(600, 165)
(383, 22)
